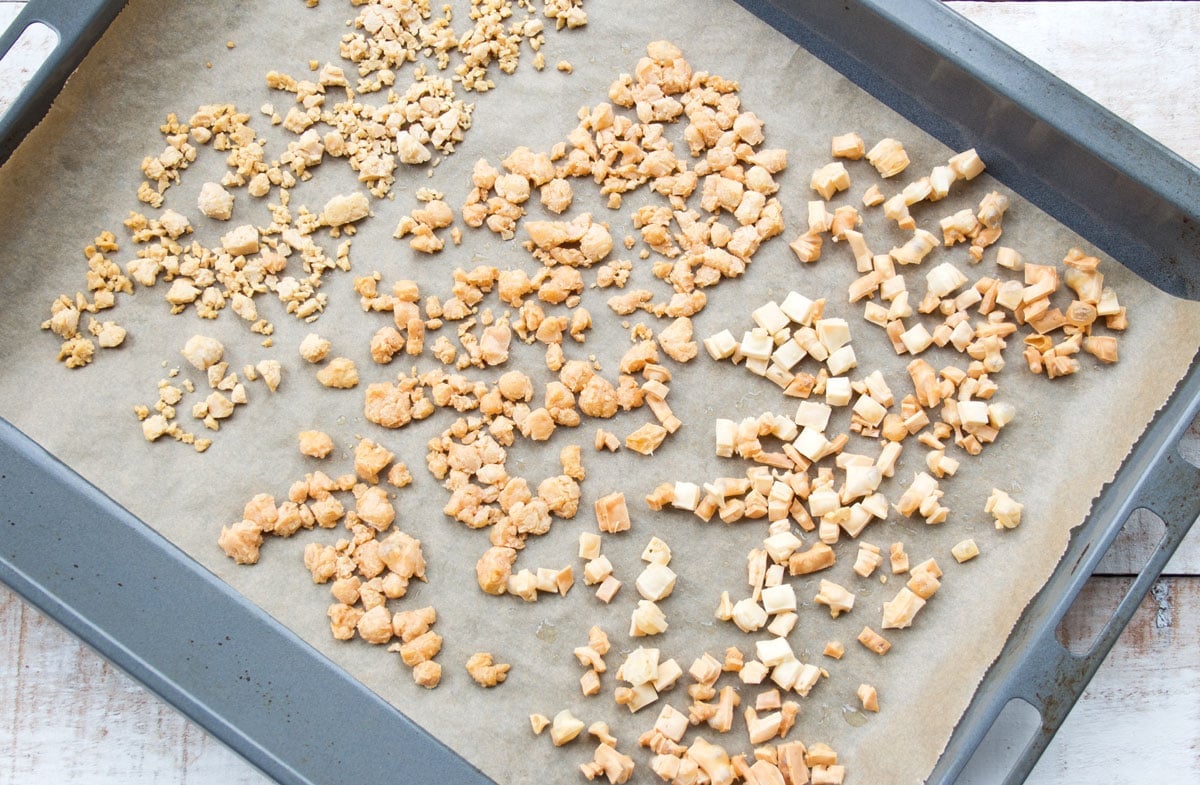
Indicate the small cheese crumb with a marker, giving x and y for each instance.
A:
(965, 551)
(314, 348)
(340, 374)
(215, 202)
(485, 671)
(869, 697)
(315, 444)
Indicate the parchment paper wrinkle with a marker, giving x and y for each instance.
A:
(77, 173)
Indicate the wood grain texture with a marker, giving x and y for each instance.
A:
(67, 716)
(1136, 58)
(1139, 720)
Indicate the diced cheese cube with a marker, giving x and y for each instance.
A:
(687, 496)
(813, 414)
(833, 333)
(870, 410)
(770, 317)
(777, 599)
(788, 354)
(725, 437)
(842, 360)
(757, 344)
(773, 652)
(811, 443)
(916, 339)
(798, 308)
(780, 546)
(721, 345)
(656, 582)
(838, 391)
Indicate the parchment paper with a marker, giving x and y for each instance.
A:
(77, 173)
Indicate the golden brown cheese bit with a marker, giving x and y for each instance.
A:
(494, 568)
(315, 444)
(874, 641)
(612, 515)
(427, 674)
(572, 462)
(646, 439)
(818, 557)
(342, 620)
(538, 723)
(340, 374)
(409, 625)
(241, 542)
(420, 649)
(485, 671)
(965, 551)
(375, 626)
(370, 459)
(399, 476)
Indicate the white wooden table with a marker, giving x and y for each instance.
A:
(68, 716)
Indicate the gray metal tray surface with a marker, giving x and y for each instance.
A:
(168, 622)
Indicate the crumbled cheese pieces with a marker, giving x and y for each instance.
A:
(416, 121)
(315, 444)
(365, 571)
(806, 477)
(486, 672)
(202, 352)
(340, 374)
(215, 202)
(1006, 511)
(965, 551)
(869, 697)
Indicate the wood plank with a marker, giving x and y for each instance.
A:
(1137, 721)
(11, 614)
(1077, 42)
(68, 716)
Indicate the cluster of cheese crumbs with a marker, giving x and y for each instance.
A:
(372, 138)
(227, 392)
(370, 566)
(949, 293)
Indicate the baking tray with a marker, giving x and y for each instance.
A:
(223, 662)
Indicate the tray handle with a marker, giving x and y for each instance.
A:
(78, 24)
(1052, 678)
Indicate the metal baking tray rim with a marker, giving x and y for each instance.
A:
(212, 666)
